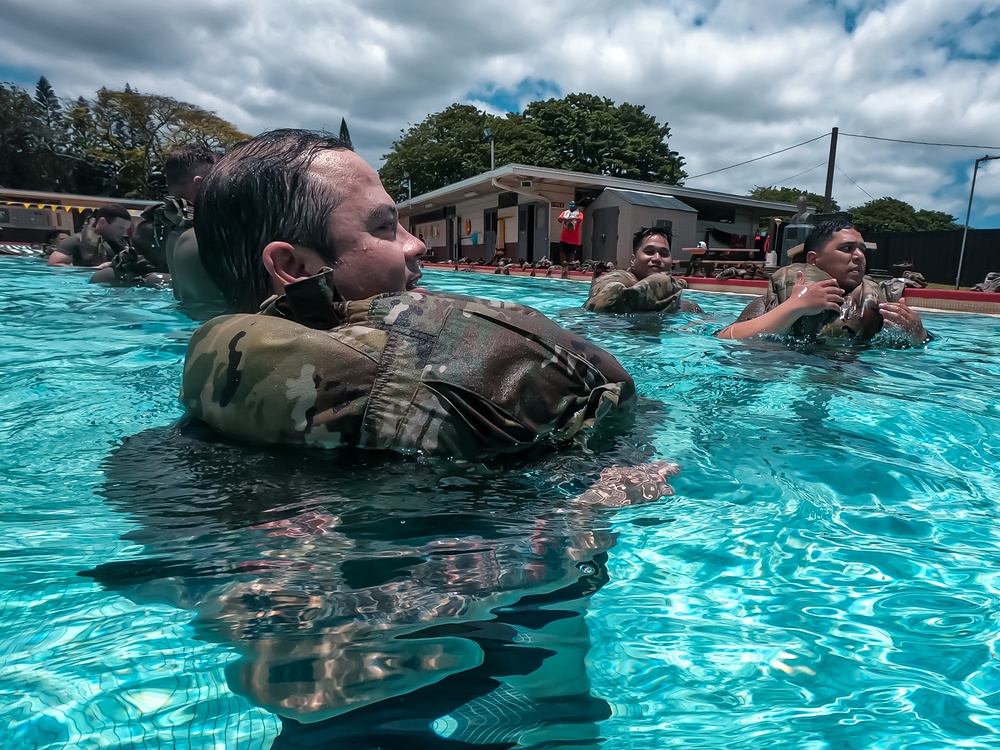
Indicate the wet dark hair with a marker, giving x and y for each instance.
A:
(262, 191)
(188, 162)
(664, 232)
(822, 233)
(111, 212)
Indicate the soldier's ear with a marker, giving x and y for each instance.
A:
(287, 263)
(811, 257)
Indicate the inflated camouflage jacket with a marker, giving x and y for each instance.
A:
(621, 292)
(859, 316)
(437, 374)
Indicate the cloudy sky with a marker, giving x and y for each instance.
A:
(734, 79)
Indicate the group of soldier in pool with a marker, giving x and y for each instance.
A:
(334, 344)
(161, 250)
(331, 342)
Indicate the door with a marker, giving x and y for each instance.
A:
(604, 240)
(526, 232)
(489, 232)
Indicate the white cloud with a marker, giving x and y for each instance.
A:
(734, 80)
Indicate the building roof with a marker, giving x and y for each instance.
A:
(641, 198)
(509, 177)
(43, 199)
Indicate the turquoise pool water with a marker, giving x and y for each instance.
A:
(825, 577)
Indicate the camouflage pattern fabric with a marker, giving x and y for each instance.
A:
(859, 317)
(442, 375)
(621, 292)
(162, 225)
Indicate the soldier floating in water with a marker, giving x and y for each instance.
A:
(163, 247)
(828, 296)
(473, 607)
(94, 246)
(646, 285)
(349, 351)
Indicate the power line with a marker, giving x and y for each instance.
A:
(856, 184)
(920, 143)
(789, 179)
(748, 161)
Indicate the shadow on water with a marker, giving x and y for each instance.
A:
(373, 600)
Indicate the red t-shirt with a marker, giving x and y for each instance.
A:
(572, 222)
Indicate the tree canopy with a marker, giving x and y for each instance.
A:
(791, 195)
(580, 132)
(114, 144)
(881, 215)
(892, 215)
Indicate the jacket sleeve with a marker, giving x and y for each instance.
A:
(263, 379)
(618, 292)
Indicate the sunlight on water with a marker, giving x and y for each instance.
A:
(825, 576)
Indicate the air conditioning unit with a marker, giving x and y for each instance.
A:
(526, 183)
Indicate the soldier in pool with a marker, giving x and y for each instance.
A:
(336, 345)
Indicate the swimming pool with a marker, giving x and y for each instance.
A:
(826, 575)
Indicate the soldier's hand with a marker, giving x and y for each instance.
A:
(901, 316)
(629, 485)
(816, 296)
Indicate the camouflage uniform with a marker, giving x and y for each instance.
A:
(621, 292)
(162, 225)
(859, 317)
(437, 374)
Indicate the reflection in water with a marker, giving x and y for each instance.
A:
(372, 600)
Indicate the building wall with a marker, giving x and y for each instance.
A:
(744, 222)
(630, 219)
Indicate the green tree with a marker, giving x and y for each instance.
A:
(20, 137)
(930, 221)
(790, 195)
(445, 148)
(51, 166)
(81, 140)
(587, 133)
(136, 132)
(580, 132)
(893, 215)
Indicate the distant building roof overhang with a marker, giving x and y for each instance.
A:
(508, 178)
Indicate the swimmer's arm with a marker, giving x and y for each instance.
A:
(806, 299)
(59, 259)
(606, 294)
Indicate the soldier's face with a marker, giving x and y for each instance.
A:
(374, 253)
(843, 257)
(113, 231)
(652, 256)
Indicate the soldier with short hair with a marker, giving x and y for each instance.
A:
(828, 296)
(164, 242)
(646, 285)
(102, 237)
(336, 345)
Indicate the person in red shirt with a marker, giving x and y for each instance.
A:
(569, 240)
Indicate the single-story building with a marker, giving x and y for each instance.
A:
(515, 207)
(32, 215)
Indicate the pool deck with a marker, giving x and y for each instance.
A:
(949, 300)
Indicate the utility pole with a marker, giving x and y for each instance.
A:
(830, 166)
(968, 213)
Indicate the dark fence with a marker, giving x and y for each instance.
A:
(935, 254)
